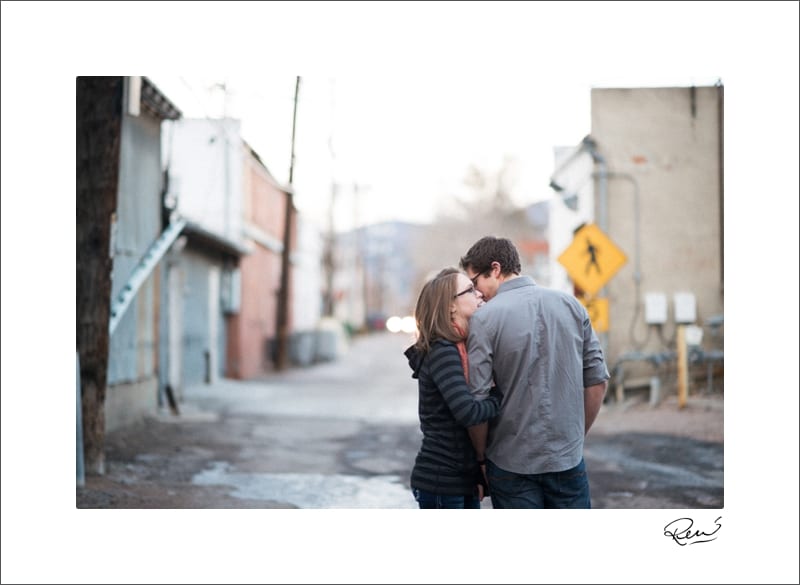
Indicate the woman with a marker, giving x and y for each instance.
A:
(446, 472)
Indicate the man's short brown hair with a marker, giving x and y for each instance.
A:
(490, 249)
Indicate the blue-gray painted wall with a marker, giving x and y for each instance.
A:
(196, 266)
(132, 359)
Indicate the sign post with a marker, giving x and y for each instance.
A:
(598, 312)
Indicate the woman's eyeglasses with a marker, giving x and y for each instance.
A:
(471, 289)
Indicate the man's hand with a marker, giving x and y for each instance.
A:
(592, 401)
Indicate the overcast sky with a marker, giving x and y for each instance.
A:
(407, 140)
(422, 90)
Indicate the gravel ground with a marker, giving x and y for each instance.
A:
(701, 419)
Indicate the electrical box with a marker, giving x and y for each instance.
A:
(694, 336)
(685, 307)
(231, 292)
(655, 308)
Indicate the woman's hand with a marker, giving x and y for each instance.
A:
(495, 391)
(482, 481)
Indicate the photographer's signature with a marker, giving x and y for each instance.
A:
(682, 531)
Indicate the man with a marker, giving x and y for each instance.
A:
(538, 346)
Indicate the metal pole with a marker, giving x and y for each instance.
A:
(602, 187)
(329, 254)
(683, 367)
(282, 357)
(602, 212)
(80, 474)
(721, 175)
(637, 273)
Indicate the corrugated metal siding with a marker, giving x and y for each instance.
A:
(132, 349)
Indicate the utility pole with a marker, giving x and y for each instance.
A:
(282, 360)
(361, 254)
(98, 131)
(329, 262)
(329, 255)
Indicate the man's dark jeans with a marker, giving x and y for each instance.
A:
(560, 489)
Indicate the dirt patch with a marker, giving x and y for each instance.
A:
(702, 418)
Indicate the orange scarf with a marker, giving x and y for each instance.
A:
(461, 346)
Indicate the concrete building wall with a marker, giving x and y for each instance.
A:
(307, 276)
(307, 282)
(666, 141)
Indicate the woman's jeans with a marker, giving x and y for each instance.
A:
(560, 489)
(431, 500)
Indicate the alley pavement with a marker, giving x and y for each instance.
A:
(341, 434)
(344, 434)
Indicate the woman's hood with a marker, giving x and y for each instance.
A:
(414, 360)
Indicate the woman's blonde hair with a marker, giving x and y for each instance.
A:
(432, 312)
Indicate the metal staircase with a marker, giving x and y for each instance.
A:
(142, 271)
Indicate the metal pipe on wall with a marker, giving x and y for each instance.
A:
(602, 184)
(721, 148)
(637, 272)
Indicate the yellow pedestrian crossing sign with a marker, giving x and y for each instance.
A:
(598, 312)
(591, 259)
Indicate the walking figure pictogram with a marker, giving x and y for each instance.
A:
(592, 250)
